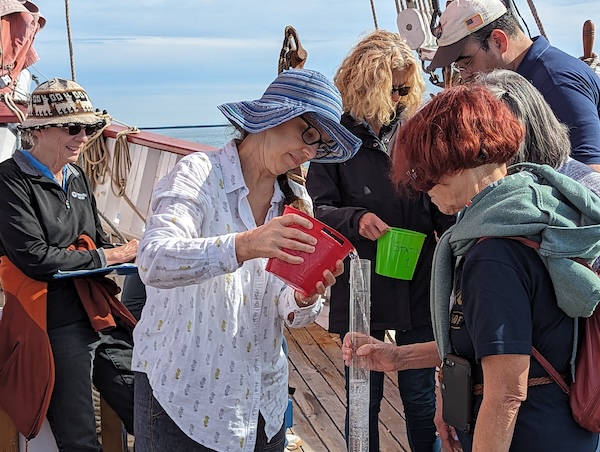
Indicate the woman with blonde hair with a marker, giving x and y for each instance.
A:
(379, 64)
(381, 84)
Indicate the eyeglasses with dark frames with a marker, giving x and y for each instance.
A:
(311, 135)
(401, 89)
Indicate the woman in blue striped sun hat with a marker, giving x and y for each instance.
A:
(298, 92)
(210, 372)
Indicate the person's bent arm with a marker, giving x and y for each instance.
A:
(383, 357)
(504, 389)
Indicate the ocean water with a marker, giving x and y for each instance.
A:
(211, 136)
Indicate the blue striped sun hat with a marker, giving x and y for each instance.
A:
(293, 93)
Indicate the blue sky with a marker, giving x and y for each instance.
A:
(165, 62)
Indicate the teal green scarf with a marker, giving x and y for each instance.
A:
(540, 204)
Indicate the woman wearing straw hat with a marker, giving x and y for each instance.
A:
(211, 374)
(47, 208)
(381, 85)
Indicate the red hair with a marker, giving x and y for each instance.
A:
(462, 127)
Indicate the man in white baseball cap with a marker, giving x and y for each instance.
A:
(481, 35)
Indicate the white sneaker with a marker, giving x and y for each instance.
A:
(293, 441)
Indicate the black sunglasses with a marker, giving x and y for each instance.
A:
(402, 90)
(76, 129)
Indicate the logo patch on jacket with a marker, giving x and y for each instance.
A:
(80, 196)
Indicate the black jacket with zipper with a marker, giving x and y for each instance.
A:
(38, 221)
(342, 193)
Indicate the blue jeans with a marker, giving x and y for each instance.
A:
(417, 391)
(83, 356)
(155, 431)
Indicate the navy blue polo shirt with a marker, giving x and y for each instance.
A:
(572, 89)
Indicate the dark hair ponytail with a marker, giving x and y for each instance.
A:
(289, 197)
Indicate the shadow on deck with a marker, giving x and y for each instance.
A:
(317, 373)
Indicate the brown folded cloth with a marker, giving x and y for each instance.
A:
(26, 360)
(98, 295)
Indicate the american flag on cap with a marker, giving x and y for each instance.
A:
(474, 22)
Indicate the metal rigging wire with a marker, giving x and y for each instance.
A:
(374, 14)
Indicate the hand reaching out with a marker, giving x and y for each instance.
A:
(376, 355)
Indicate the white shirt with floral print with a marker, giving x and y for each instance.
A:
(211, 332)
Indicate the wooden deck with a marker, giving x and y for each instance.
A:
(317, 373)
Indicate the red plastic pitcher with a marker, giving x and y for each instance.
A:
(331, 246)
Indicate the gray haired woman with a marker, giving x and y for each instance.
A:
(546, 139)
(211, 374)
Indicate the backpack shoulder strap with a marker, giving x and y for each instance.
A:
(560, 381)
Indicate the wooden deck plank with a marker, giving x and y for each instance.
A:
(9, 437)
(316, 399)
(317, 373)
(392, 428)
(302, 425)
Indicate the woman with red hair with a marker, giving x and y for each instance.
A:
(494, 298)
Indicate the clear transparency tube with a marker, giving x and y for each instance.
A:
(360, 322)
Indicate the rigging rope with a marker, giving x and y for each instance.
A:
(94, 158)
(69, 38)
(374, 14)
(592, 62)
(10, 103)
(94, 161)
(537, 18)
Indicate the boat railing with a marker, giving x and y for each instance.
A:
(152, 156)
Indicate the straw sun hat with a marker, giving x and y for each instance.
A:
(293, 93)
(60, 103)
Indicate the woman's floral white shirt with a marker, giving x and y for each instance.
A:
(211, 332)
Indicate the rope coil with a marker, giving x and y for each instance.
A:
(94, 161)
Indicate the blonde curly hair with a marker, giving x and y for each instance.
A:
(365, 77)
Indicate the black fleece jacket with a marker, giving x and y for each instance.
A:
(39, 221)
(342, 193)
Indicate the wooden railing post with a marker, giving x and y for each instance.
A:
(9, 437)
(112, 430)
